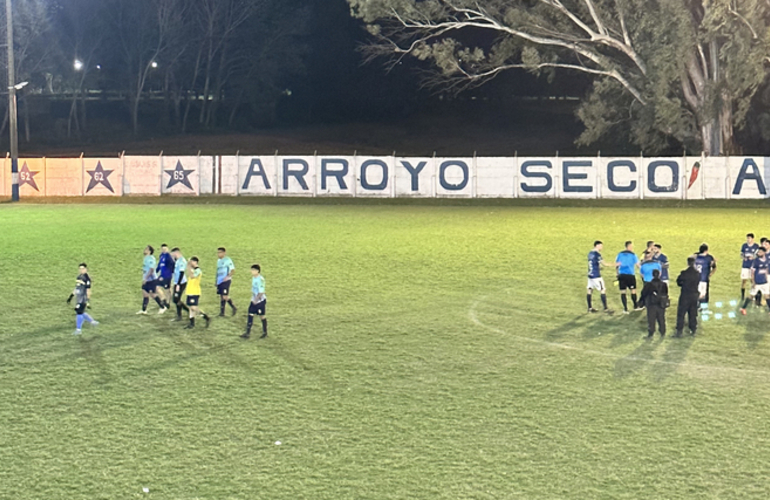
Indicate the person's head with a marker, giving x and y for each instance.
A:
(761, 252)
(630, 245)
(750, 238)
(766, 244)
(83, 268)
(650, 244)
(194, 262)
(164, 248)
(655, 274)
(690, 261)
(176, 252)
(255, 270)
(704, 249)
(148, 250)
(658, 248)
(598, 245)
(762, 240)
(221, 252)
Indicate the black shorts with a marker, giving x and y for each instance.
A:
(192, 300)
(164, 283)
(178, 295)
(80, 308)
(150, 286)
(224, 288)
(627, 281)
(258, 309)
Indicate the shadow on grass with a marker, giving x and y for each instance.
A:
(640, 358)
(756, 329)
(673, 357)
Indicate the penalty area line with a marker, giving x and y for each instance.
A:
(555, 345)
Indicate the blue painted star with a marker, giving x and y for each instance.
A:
(179, 176)
(99, 176)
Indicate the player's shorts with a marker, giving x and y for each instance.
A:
(164, 283)
(258, 309)
(80, 308)
(178, 295)
(192, 300)
(703, 289)
(627, 281)
(745, 273)
(224, 288)
(150, 286)
(596, 284)
(763, 289)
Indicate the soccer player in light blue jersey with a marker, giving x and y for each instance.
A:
(627, 263)
(225, 270)
(150, 281)
(179, 282)
(258, 305)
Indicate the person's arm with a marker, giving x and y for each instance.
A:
(713, 267)
(69, 299)
(646, 290)
(232, 270)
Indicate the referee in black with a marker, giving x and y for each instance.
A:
(653, 295)
(689, 298)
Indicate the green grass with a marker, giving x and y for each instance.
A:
(420, 352)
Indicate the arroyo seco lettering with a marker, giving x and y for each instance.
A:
(537, 176)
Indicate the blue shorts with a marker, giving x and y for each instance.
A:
(258, 309)
(150, 286)
(164, 283)
(224, 288)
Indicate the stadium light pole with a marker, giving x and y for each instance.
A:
(12, 110)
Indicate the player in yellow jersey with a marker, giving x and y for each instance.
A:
(194, 275)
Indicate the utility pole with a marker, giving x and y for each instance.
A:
(13, 114)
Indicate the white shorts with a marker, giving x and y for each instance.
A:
(765, 289)
(596, 284)
(703, 288)
(745, 274)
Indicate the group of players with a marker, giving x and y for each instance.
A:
(170, 278)
(653, 263)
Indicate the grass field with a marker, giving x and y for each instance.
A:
(418, 352)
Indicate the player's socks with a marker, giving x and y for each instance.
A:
(759, 299)
(604, 300)
(157, 301)
(746, 303)
(264, 328)
(249, 324)
(624, 300)
(88, 318)
(588, 299)
(79, 321)
(222, 304)
(230, 301)
(633, 298)
(145, 303)
(743, 293)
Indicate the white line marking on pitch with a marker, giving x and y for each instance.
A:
(472, 316)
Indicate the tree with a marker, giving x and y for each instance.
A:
(661, 69)
(148, 33)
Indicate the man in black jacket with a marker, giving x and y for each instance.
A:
(688, 281)
(654, 294)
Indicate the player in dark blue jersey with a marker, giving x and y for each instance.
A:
(748, 252)
(627, 263)
(595, 280)
(760, 267)
(660, 257)
(706, 265)
(164, 271)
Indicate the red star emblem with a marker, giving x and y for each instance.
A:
(28, 178)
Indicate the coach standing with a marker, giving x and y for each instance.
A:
(689, 298)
